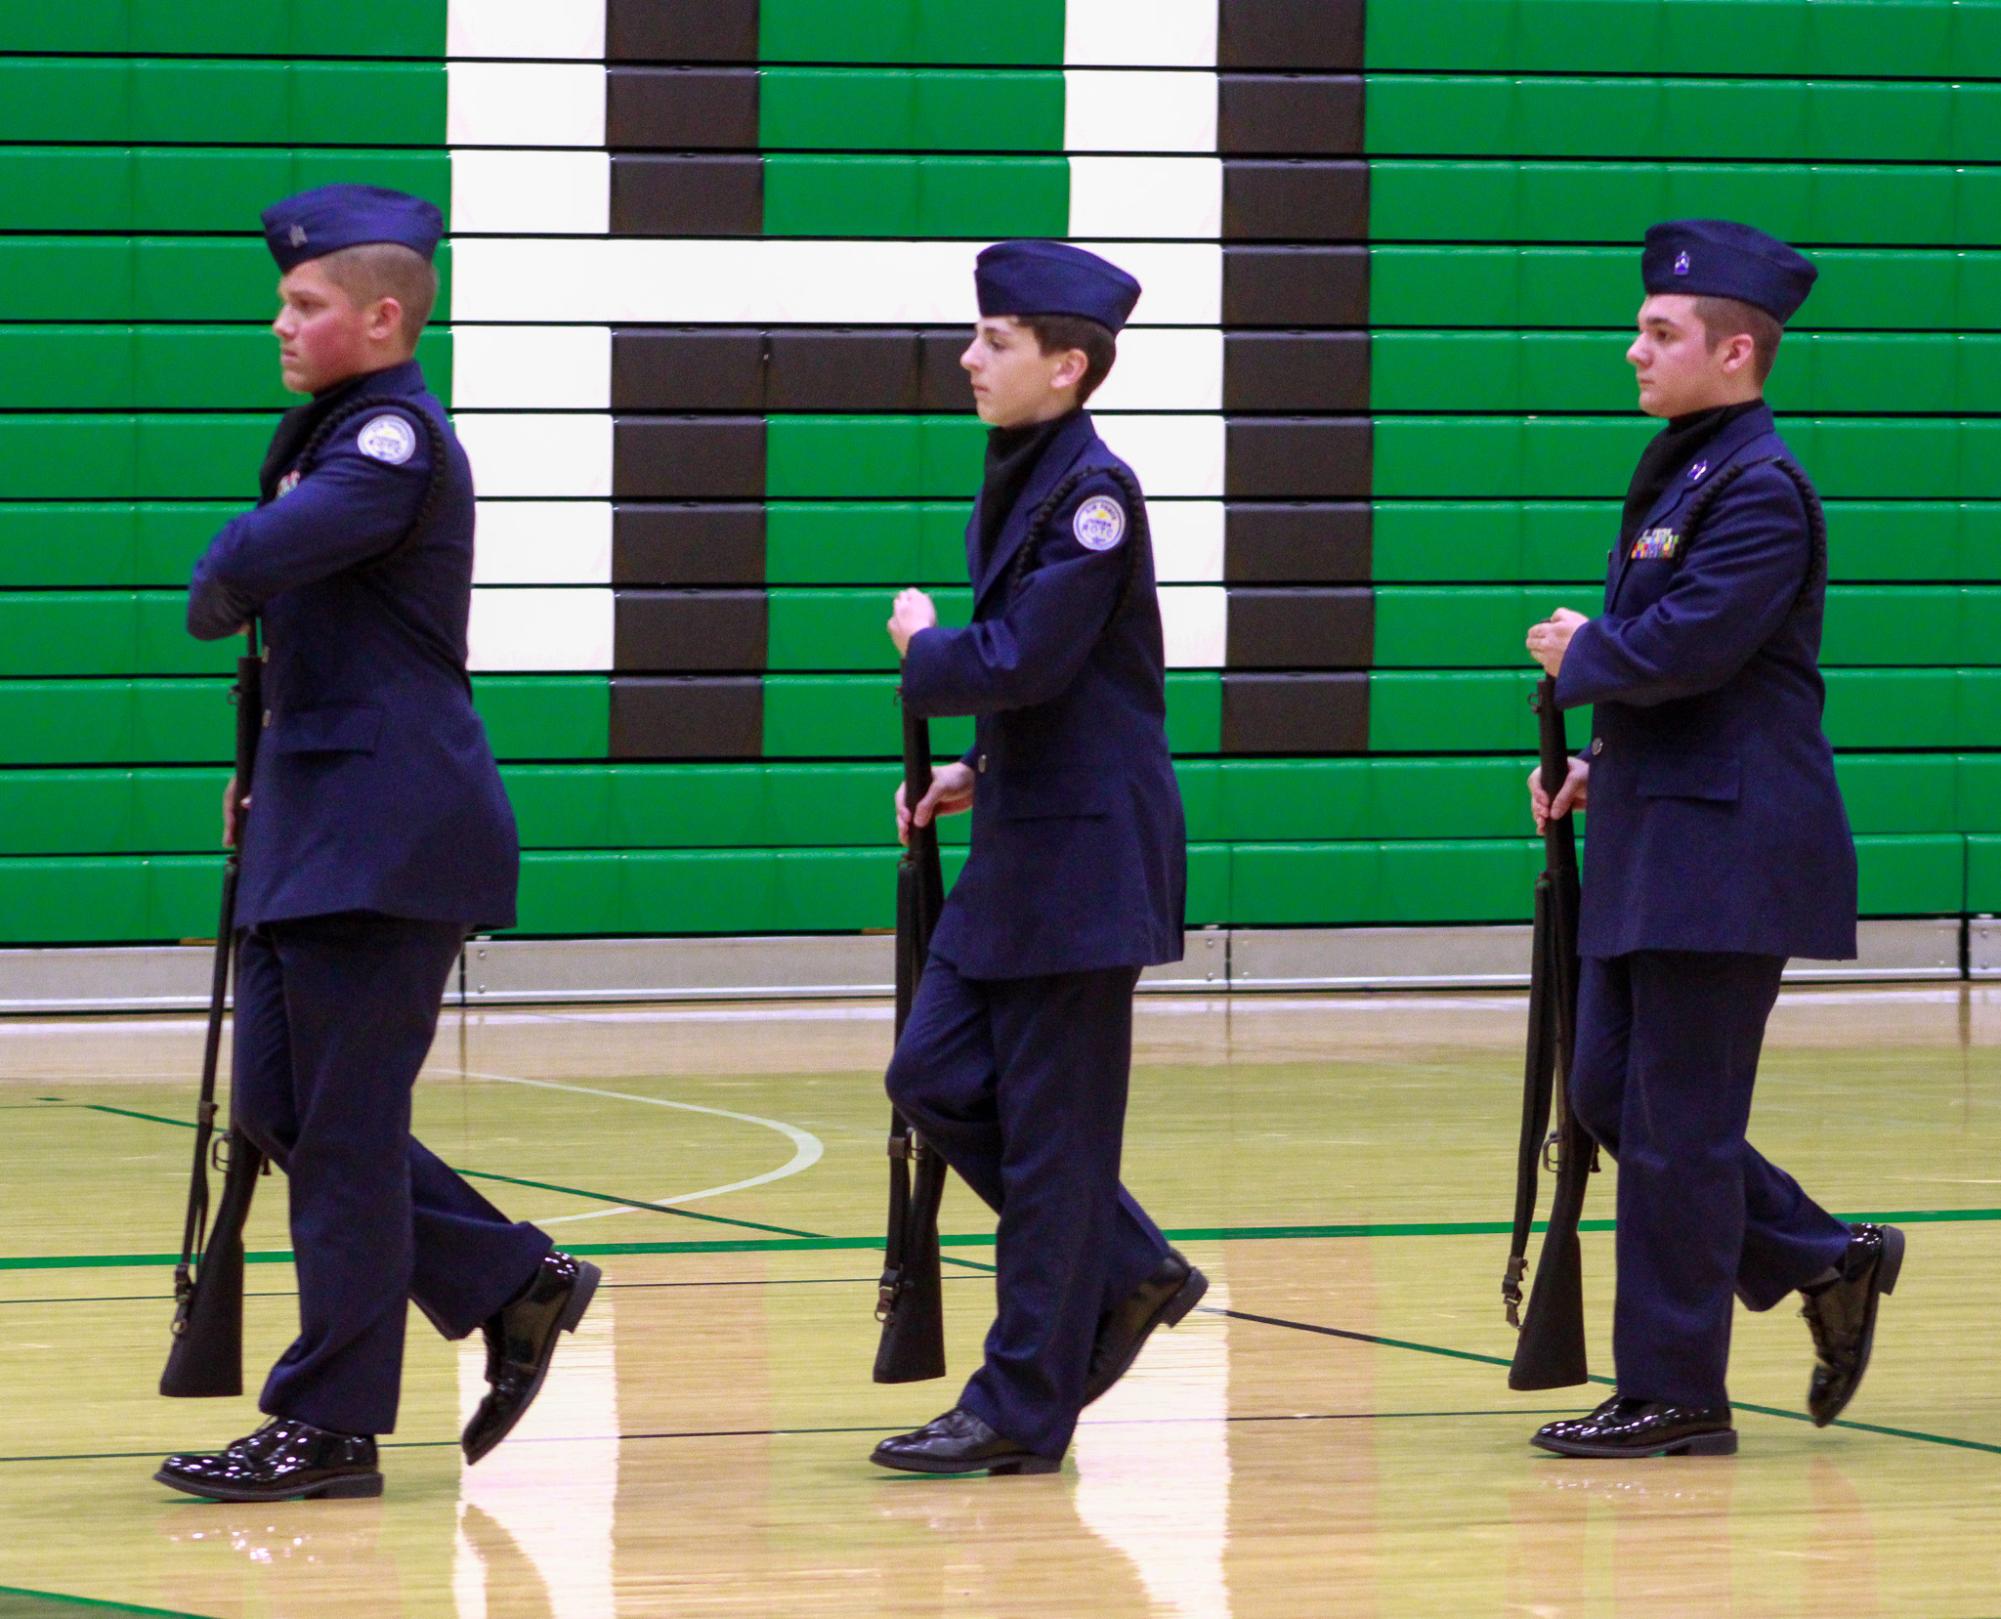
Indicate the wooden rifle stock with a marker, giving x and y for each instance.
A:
(1550, 1352)
(910, 1302)
(206, 1357)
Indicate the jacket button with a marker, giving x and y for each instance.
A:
(1597, 746)
(982, 766)
(267, 719)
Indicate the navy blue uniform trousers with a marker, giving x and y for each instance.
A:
(334, 1016)
(1021, 1084)
(1667, 1051)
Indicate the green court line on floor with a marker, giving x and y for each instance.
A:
(98, 1603)
(785, 1245)
(1376, 1340)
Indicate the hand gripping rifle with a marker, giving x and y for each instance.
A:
(1550, 1351)
(910, 1304)
(207, 1354)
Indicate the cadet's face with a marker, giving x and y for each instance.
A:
(1014, 382)
(323, 337)
(1677, 369)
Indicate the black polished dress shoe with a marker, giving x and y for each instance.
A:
(958, 1442)
(1842, 1318)
(1174, 1289)
(284, 1460)
(520, 1343)
(1627, 1427)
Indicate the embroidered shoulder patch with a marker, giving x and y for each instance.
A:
(1100, 523)
(387, 438)
(1656, 545)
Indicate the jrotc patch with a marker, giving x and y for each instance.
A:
(1656, 545)
(1100, 523)
(387, 438)
(288, 483)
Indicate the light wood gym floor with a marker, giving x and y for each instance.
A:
(1331, 1435)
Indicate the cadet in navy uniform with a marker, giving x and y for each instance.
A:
(1718, 847)
(377, 834)
(1015, 1059)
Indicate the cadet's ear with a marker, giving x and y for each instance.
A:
(1737, 352)
(1069, 372)
(385, 319)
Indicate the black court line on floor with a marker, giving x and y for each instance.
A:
(1375, 1340)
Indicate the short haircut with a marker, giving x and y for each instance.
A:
(387, 270)
(1725, 317)
(1056, 333)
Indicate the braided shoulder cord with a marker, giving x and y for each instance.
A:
(1816, 516)
(433, 489)
(1037, 524)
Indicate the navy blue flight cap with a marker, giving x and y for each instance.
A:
(1052, 278)
(329, 218)
(1718, 258)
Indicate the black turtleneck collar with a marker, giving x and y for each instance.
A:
(1012, 454)
(1667, 453)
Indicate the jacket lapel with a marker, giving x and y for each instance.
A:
(1702, 468)
(1064, 450)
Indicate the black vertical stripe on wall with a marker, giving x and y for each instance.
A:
(1296, 713)
(690, 631)
(681, 108)
(1296, 371)
(1297, 542)
(1300, 115)
(1298, 457)
(689, 717)
(1301, 629)
(1295, 286)
(1295, 200)
(687, 544)
(1304, 35)
(709, 195)
(687, 458)
(679, 30)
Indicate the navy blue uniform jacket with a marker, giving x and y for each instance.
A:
(375, 788)
(1079, 855)
(1715, 822)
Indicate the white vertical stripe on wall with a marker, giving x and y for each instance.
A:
(1187, 540)
(1123, 110)
(1164, 368)
(1147, 197)
(1195, 625)
(529, 455)
(531, 367)
(525, 104)
(572, 29)
(1173, 455)
(543, 631)
(530, 193)
(542, 542)
(1150, 33)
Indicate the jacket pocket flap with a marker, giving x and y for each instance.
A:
(1690, 776)
(1035, 795)
(342, 728)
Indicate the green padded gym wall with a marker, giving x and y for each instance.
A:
(709, 276)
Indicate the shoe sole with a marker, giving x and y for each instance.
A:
(1888, 1269)
(1701, 1444)
(349, 1487)
(588, 1277)
(1001, 1469)
(1171, 1314)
